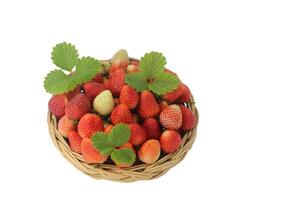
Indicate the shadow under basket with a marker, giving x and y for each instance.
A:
(138, 171)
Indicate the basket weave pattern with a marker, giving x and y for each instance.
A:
(129, 174)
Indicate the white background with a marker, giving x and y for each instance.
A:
(241, 60)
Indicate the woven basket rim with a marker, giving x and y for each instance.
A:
(128, 174)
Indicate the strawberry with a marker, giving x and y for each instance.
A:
(121, 114)
(116, 101)
(116, 81)
(103, 103)
(171, 117)
(108, 128)
(138, 134)
(172, 96)
(148, 106)
(152, 128)
(74, 140)
(70, 95)
(132, 69)
(65, 125)
(170, 141)
(89, 153)
(106, 83)
(57, 105)
(163, 105)
(92, 89)
(149, 151)
(89, 124)
(186, 95)
(188, 118)
(120, 60)
(129, 96)
(98, 78)
(77, 107)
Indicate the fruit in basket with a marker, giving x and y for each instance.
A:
(170, 141)
(171, 117)
(104, 103)
(149, 151)
(121, 109)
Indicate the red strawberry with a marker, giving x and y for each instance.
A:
(171, 117)
(172, 96)
(116, 81)
(170, 141)
(77, 107)
(65, 125)
(163, 105)
(98, 78)
(152, 128)
(129, 97)
(89, 124)
(150, 151)
(121, 114)
(106, 83)
(75, 141)
(186, 95)
(188, 118)
(108, 128)
(70, 95)
(148, 106)
(89, 153)
(92, 89)
(116, 101)
(57, 105)
(138, 134)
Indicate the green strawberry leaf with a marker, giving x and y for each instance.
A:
(64, 56)
(152, 64)
(123, 156)
(86, 69)
(164, 83)
(57, 82)
(102, 143)
(119, 135)
(137, 80)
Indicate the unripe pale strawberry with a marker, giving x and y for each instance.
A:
(171, 117)
(75, 141)
(172, 96)
(188, 118)
(92, 89)
(57, 105)
(148, 106)
(104, 103)
(152, 128)
(149, 152)
(120, 60)
(77, 107)
(138, 134)
(129, 96)
(121, 114)
(89, 124)
(65, 125)
(186, 95)
(89, 153)
(116, 82)
(170, 141)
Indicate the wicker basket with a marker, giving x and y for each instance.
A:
(129, 174)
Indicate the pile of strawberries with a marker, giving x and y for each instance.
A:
(157, 123)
